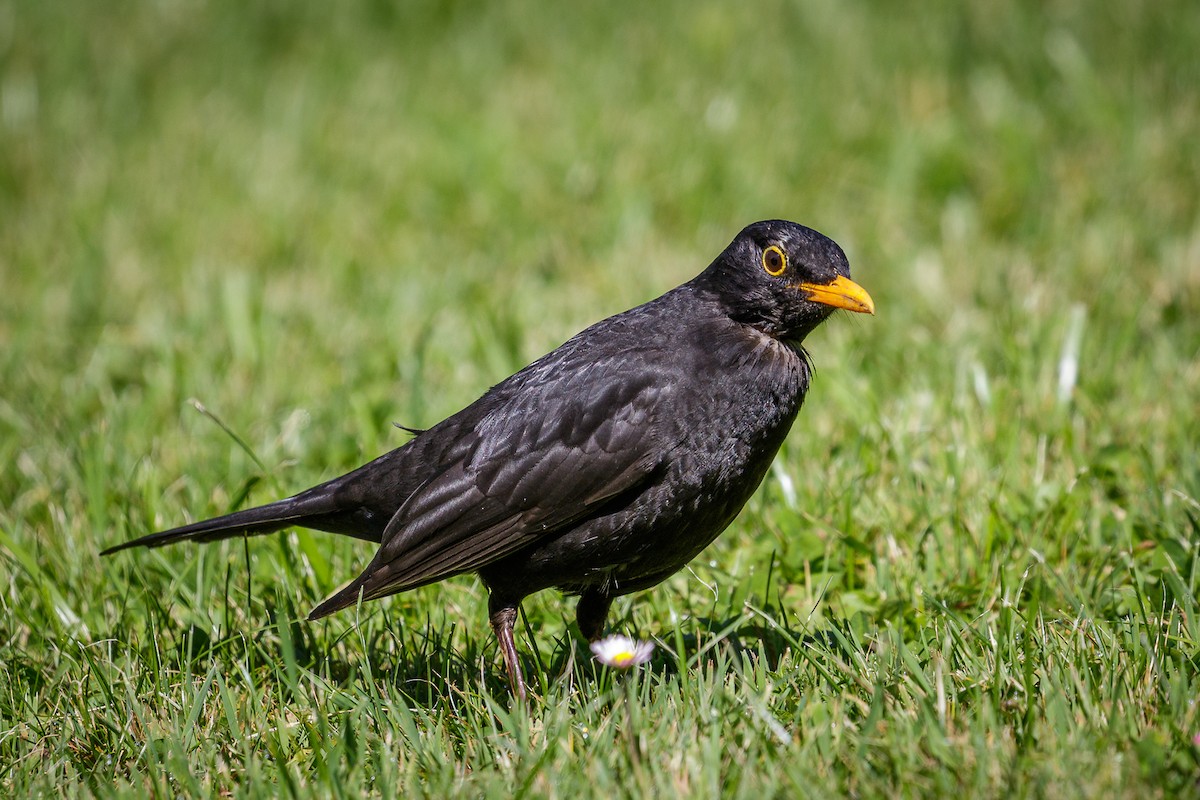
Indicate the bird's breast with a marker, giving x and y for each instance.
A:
(717, 429)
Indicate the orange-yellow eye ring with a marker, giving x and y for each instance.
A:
(774, 261)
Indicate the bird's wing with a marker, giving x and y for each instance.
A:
(547, 455)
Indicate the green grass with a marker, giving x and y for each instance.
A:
(972, 571)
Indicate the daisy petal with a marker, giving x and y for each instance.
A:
(622, 652)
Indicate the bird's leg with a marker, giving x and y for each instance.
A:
(592, 611)
(504, 618)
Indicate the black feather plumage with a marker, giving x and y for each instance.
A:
(604, 466)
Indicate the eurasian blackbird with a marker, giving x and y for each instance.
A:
(603, 467)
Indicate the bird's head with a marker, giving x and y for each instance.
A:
(783, 279)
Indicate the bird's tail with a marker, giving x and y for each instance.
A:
(312, 509)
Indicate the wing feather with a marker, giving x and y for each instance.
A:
(540, 459)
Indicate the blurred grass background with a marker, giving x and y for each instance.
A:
(972, 569)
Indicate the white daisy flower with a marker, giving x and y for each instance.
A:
(621, 652)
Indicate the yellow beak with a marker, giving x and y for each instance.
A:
(842, 293)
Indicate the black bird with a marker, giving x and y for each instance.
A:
(603, 467)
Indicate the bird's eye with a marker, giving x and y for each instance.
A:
(774, 261)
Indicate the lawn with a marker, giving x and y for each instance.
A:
(239, 241)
